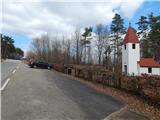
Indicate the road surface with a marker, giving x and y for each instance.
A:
(40, 94)
(7, 67)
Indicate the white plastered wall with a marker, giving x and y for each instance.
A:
(130, 57)
(155, 70)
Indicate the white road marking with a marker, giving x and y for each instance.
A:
(5, 84)
(7, 81)
(14, 71)
(114, 115)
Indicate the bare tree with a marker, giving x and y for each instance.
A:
(56, 50)
(108, 48)
(31, 55)
(77, 39)
(41, 46)
(100, 31)
(89, 55)
(68, 51)
(36, 47)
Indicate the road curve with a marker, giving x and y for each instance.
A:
(39, 94)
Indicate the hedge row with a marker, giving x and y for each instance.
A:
(145, 86)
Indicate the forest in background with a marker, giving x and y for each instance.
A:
(8, 49)
(104, 49)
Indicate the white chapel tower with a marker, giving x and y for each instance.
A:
(130, 53)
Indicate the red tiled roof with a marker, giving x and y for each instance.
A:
(148, 62)
(130, 37)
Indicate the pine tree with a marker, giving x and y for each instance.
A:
(85, 41)
(117, 28)
(143, 24)
(144, 42)
(7, 46)
(154, 35)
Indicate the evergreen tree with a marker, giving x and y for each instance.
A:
(144, 43)
(143, 24)
(19, 51)
(117, 28)
(8, 50)
(85, 41)
(154, 35)
(7, 46)
(86, 34)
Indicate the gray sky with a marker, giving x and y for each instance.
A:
(34, 17)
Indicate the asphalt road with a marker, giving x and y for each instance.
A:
(7, 67)
(40, 94)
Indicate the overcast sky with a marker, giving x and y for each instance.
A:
(35, 17)
(25, 19)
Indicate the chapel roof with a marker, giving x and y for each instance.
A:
(148, 62)
(130, 36)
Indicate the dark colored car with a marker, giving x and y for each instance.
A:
(40, 64)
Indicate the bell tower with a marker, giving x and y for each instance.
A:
(130, 52)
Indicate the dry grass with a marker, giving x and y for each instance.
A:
(133, 102)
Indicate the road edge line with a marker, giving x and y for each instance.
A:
(13, 71)
(5, 84)
(109, 117)
(7, 81)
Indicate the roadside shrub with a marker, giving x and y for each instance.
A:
(147, 87)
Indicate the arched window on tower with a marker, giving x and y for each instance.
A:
(133, 46)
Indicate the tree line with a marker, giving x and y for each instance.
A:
(8, 49)
(149, 28)
(104, 49)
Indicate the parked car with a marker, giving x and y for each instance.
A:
(40, 64)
